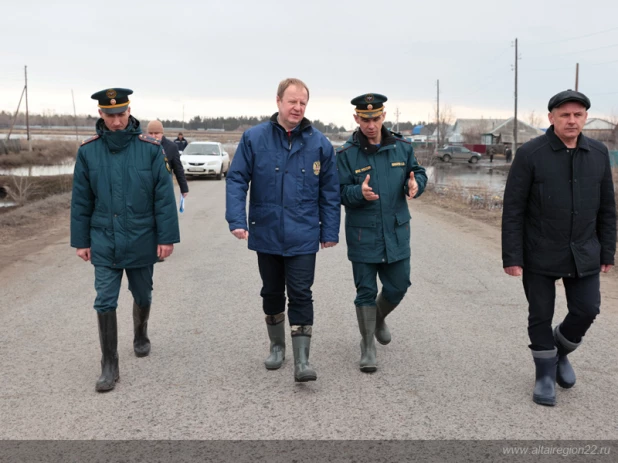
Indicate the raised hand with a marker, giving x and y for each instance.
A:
(368, 193)
(412, 186)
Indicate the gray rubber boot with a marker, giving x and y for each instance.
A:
(141, 343)
(546, 362)
(367, 325)
(566, 375)
(301, 343)
(383, 334)
(108, 336)
(276, 332)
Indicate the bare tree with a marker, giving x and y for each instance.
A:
(533, 119)
(21, 189)
(444, 124)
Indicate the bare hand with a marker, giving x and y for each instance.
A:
(412, 186)
(84, 253)
(328, 244)
(184, 195)
(241, 234)
(514, 271)
(164, 250)
(606, 268)
(368, 193)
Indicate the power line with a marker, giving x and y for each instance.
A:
(578, 37)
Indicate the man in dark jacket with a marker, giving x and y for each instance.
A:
(155, 130)
(377, 172)
(559, 222)
(294, 206)
(180, 142)
(123, 217)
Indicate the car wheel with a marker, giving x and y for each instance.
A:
(220, 174)
(474, 160)
(446, 158)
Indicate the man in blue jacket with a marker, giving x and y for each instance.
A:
(377, 172)
(294, 206)
(123, 218)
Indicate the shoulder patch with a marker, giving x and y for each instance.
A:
(88, 140)
(404, 140)
(342, 148)
(148, 139)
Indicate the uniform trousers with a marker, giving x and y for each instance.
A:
(583, 302)
(297, 274)
(107, 284)
(395, 278)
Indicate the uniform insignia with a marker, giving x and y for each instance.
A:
(398, 164)
(112, 101)
(111, 93)
(364, 169)
(148, 139)
(167, 165)
(316, 167)
(369, 106)
(369, 99)
(88, 140)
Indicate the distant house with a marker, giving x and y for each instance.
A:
(503, 134)
(602, 130)
(420, 133)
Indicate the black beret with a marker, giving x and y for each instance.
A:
(566, 96)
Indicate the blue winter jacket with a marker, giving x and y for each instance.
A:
(123, 202)
(294, 202)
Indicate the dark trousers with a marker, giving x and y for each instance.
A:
(583, 302)
(297, 274)
(107, 284)
(395, 278)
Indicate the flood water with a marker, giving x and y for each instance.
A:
(470, 177)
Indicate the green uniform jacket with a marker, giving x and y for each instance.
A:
(123, 202)
(378, 231)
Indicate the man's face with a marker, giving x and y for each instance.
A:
(180, 137)
(292, 106)
(157, 135)
(372, 127)
(116, 121)
(568, 120)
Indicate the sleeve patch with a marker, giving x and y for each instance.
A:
(398, 164)
(364, 169)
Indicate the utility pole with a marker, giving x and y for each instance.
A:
(438, 117)
(515, 119)
(27, 116)
(183, 116)
(75, 119)
(397, 119)
(577, 77)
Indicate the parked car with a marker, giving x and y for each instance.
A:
(205, 158)
(450, 152)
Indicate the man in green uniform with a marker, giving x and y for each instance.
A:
(377, 172)
(123, 217)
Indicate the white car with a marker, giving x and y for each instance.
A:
(205, 158)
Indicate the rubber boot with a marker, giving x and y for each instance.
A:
(141, 343)
(301, 343)
(367, 325)
(383, 334)
(276, 332)
(546, 362)
(108, 336)
(566, 375)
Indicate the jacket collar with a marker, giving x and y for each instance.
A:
(558, 145)
(117, 141)
(360, 139)
(304, 124)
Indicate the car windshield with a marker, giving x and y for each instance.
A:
(204, 149)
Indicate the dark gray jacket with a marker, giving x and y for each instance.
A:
(559, 214)
(173, 158)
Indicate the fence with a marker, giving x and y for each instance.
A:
(10, 146)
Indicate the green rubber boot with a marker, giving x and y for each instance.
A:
(108, 336)
(301, 343)
(367, 325)
(383, 334)
(141, 343)
(565, 375)
(276, 332)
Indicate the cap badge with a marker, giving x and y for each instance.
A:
(112, 101)
(111, 93)
(369, 106)
(369, 98)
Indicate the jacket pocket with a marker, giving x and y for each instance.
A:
(361, 230)
(402, 227)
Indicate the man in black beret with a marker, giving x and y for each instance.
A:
(559, 222)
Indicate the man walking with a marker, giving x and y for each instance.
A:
(181, 142)
(123, 217)
(559, 222)
(294, 206)
(156, 131)
(377, 172)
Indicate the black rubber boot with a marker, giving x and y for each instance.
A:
(141, 343)
(276, 332)
(383, 334)
(566, 375)
(367, 325)
(108, 336)
(301, 343)
(546, 362)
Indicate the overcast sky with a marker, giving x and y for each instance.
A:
(225, 58)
